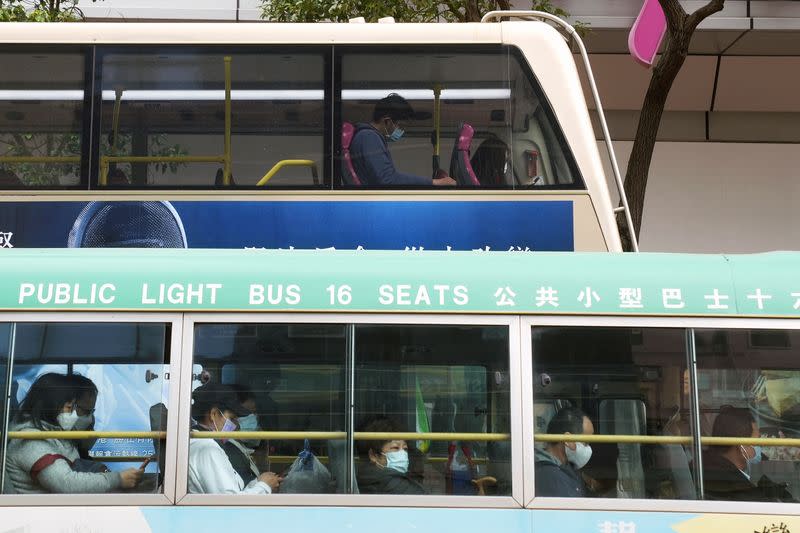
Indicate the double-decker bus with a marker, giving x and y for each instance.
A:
(238, 135)
(683, 371)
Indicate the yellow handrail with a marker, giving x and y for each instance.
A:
(106, 159)
(666, 439)
(40, 159)
(77, 435)
(290, 163)
(341, 435)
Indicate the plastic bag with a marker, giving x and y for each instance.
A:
(306, 475)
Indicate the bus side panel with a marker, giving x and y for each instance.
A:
(392, 224)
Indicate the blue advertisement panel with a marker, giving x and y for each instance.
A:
(343, 224)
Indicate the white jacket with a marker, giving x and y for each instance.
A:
(210, 472)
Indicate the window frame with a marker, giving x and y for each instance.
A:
(514, 501)
(167, 497)
(688, 324)
(87, 51)
(325, 52)
(507, 52)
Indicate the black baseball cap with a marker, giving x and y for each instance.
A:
(211, 395)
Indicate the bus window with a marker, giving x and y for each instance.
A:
(446, 381)
(41, 116)
(5, 348)
(749, 387)
(623, 382)
(84, 378)
(474, 113)
(164, 118)
(287, 381)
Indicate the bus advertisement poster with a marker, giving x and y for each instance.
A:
(394, 224)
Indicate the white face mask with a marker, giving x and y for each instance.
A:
(83, 422)
(67, 421)
(580, 455)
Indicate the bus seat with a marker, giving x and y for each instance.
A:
(626, 417)
(498, 454)
(460, 164)
(671, 461)
(219, 182)
(158, 422)
(348, 170)
(337, 465)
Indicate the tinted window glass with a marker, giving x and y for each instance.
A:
(496, 129)
(288, 378)
(79, 377)
(630, 383)
(169, 106)
(749, 386)
(41, 106)
(445, 380)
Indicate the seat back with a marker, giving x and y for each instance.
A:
(158, 422)
(348, 171)
(337, 465)
(460, 164)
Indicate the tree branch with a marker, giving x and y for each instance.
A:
(714, 6)
(674, 13)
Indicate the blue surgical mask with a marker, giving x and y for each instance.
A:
(396, 135)
(397, 461)
(751, 460)
(249, 423)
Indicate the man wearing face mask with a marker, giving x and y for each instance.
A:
(557, 465)
(728, 470)
(369, 148)
(216, 408)
(383, 466)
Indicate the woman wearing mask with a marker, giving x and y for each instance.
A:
(38, 466)
(384, 463)
(216, 408)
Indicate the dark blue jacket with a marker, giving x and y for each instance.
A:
(556, 480)
(373, 162)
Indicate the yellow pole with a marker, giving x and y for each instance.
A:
(226, 169)
(115, 121)
(437, 93)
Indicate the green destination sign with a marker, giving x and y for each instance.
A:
(400, 281)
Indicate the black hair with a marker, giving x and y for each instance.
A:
(45, 400)
(243, 393)
(567, 420)
(82, 385)
(376, 424)
(733, 422)
(212, 396)
(489, 160)
(393, 106)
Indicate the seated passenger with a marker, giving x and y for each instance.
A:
(85, 401)
(727, 469)
(215, 408)
(369, 148)
(38, 466)
(490, 162)
(383, 466)
(557, 465)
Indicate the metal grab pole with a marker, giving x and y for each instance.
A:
(496, 15)
(437, 95)
(226, 168)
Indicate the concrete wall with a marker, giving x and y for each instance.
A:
(719, 197)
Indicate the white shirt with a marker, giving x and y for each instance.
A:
(210, 472)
